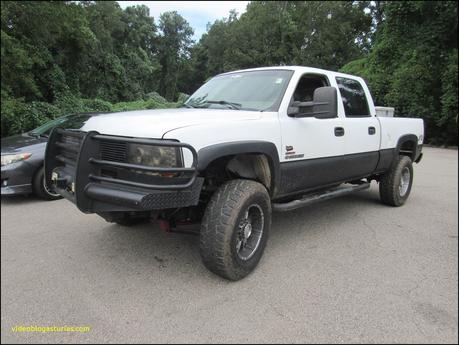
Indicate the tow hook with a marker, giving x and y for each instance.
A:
(176, 226)
(164, 225)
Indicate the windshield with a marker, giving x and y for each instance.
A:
(255, 90)
(68, 121)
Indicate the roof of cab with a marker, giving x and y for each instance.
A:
(301, 69)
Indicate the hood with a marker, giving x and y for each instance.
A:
(157, 122)
(23, 143)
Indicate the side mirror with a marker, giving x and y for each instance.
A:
(325, 102)
(324, 105)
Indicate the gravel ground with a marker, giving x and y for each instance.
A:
(345, 270)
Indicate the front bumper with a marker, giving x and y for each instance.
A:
(16, 178)
(17, 189)
(77, 167)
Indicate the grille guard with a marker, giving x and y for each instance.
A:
(75, 157)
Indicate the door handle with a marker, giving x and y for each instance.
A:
(371, 130)
(339, 131)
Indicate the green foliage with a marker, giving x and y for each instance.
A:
(13, 113)
(324, 34)
(97, 105)
(448, 118)
(72, 57)
(182, 97)
(88, 49)
(19, 116)
(60, 57)
(413, 65)
(143, 104)
(174, 47)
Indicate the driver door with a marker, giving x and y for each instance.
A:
(312, 148)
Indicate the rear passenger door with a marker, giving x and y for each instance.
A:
(362, 130)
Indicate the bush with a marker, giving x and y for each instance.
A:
(97, 105)
(182, 97)
(19, 116)
(155, 96)
(13, 115)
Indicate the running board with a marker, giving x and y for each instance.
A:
(313, 198)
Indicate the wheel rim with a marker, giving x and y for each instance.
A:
(46, 188)
(404, 181)
(250, 232)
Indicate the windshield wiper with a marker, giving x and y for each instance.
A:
(232, 105)
(184, 105)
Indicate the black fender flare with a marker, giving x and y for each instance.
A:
(405, 138)
(208, 154)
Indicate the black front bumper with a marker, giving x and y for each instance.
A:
(91, 170)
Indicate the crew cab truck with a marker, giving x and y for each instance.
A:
(244, 144)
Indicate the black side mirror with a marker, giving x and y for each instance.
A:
(324, 105)
(325, 102)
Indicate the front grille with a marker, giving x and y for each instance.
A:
(69, 145)
(113, 151)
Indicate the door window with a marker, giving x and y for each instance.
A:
(354, 100)
(304, 91)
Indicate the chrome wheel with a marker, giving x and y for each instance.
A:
(250, 231)
(404, 181)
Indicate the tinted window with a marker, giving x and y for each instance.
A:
(354, 100)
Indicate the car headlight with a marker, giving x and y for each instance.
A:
(10, 159)
(155, 156)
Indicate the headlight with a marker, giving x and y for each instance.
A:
(155, 156)
(10, 159)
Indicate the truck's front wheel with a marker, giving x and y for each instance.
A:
(235, 228)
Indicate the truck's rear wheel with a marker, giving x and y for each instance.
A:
(235, 228)
(395, 185)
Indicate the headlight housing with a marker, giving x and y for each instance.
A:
(155, 156)
(10, 159)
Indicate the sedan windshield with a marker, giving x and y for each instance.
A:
(69, 121)
(255, 90)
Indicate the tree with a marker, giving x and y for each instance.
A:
(413, 65)
(174, 45)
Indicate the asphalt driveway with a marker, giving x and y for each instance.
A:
(345, 270)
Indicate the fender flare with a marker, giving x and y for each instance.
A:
(405, 138)
(208, 154)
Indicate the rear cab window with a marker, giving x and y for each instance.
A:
(355, 102)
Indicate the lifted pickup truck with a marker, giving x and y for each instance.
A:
(244, 144)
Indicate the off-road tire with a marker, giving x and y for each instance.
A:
(220, 228)
(39, 189)
(390, 184)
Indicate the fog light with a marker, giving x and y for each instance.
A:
(5, 183)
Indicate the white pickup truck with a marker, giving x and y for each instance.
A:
(244, 144)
